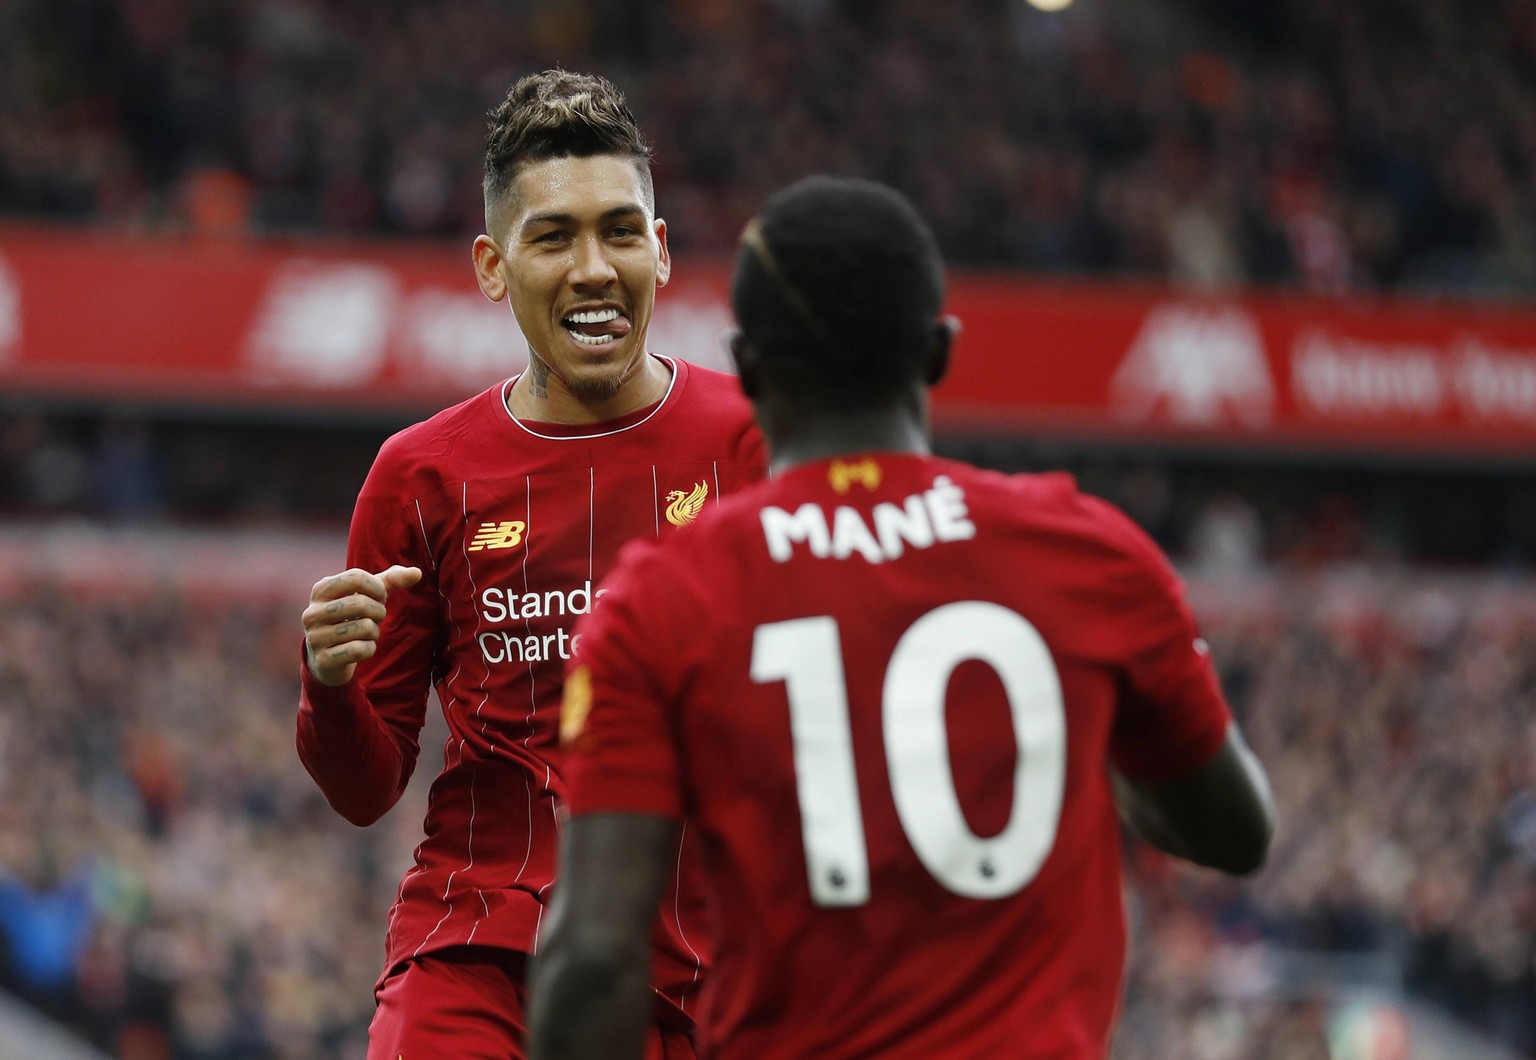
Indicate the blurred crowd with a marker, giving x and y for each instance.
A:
(174, 887)
(1222, 518)
(128, 468)
(1394, 713)
(113, 469)
(171, 883)
(1330, 147)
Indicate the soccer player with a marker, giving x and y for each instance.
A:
(479, 537)
(892, 696)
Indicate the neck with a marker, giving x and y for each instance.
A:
(540, 394)
(811, 436)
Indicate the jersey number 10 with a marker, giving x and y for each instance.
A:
(806, 654)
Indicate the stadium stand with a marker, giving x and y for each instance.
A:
(171, 883)
(1348, 147)
(216, 908)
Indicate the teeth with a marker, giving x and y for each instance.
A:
(593, 316)
(591, 340)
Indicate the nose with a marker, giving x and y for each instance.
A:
(591, 266)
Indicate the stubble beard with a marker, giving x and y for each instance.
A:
(594, 389)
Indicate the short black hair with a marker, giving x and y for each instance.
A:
(559, 114)
(837, 287)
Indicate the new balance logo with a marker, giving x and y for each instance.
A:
(507, 534)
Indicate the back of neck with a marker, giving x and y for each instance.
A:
(814, 437)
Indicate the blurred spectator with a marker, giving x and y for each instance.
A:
(170, 883)
(47, 923)
(216, 202)
(49, 471)
(126, 474)
(122, 467)
(1336, 148)
(1226, 539)
(174, 887)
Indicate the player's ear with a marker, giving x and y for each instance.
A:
(745, 360)
(663, 255)
(488, 258)
(942, 342)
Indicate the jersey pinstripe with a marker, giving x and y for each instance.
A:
(514, 525)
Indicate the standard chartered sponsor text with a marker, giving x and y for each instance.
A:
(522, 646)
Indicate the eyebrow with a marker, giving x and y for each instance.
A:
(627, 210)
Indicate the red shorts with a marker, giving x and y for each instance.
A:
(470, 1003)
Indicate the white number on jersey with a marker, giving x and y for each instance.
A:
(806, 654)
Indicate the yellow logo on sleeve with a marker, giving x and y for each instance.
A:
(844, 473)
(507, 534)
(576, 705)
(683, 507)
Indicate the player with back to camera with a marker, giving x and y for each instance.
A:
(899, 735)
(478, 539)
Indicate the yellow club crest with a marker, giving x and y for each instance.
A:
(576, 705)
(684, 508)
(844, 473)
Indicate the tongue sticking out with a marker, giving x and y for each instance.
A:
(607, 329)
(596, 332)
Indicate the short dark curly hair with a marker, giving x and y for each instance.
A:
(559, 114)
(837, 287)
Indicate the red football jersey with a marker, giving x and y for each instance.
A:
(885, 693)
(513, 525)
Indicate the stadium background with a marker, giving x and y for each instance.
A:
(1261, 274)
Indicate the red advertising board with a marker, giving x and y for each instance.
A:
(403, 327)
(1157, 363)
(312, 324)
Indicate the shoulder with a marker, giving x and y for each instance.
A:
(708, 381)
(1109, 525)
(706, 391)
(1052, 506)
(1054, 497)
(424, 448)
(709, 406)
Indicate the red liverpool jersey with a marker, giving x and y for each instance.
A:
(885, 693)
(513, 524)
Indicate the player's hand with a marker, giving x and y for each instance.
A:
(341, 623)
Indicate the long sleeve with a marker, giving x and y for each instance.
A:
(360, 741)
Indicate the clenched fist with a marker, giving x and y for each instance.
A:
(341, 623)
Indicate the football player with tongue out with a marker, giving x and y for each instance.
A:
(475, 544)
